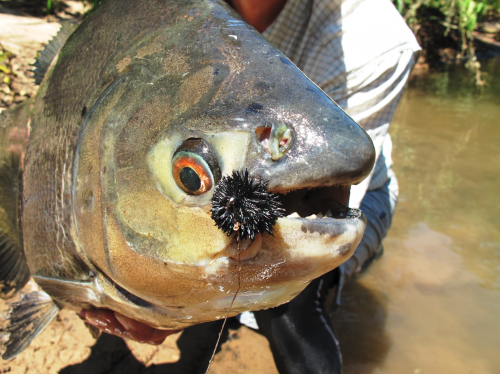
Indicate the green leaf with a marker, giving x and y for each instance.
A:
(5, 70)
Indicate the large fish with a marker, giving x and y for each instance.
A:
(142, 112)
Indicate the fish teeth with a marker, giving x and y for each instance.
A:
(312, 216)
(320, 215)
(328, 213)
(293, 215)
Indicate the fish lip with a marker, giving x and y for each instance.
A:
(251, 249)
(331, 226)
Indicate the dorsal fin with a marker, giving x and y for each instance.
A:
(47, 55)
(28, 318)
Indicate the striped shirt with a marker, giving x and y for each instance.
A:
(360, 52)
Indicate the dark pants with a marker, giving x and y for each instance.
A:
(300, 332)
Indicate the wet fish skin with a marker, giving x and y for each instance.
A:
(104, 224)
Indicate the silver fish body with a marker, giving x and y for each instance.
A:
(140, 92)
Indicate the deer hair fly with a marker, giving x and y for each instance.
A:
(243, 200)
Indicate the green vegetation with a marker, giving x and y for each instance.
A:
(448, 23)
(53, 5)
(6, 71)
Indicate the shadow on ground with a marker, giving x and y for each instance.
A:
(360, 326)
(110, 354)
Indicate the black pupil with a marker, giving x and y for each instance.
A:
(190, 179)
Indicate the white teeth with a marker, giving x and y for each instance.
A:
(320, 215)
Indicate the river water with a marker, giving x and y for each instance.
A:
(431, 303)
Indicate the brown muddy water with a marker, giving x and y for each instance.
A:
(431, 304)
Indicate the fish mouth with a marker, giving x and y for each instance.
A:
(314, 207)
(317, 203)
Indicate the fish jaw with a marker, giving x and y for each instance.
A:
(283, 265)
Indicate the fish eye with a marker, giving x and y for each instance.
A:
(191, 173)
(194, 167)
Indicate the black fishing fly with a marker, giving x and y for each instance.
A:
(241, 203)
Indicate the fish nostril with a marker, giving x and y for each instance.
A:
(281, 140)
(263, 134)
(275, 140)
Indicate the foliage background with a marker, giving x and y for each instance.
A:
(441, 24)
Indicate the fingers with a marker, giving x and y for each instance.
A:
(143, 333)
(117, 324)
(104, 320)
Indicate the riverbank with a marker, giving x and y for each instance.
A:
(454, 31)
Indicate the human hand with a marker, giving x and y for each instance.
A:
(117, 324)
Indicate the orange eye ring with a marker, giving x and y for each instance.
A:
(191, 173)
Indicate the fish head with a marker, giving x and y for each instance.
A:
(187, 106)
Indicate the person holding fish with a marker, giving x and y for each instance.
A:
(360, 53)
(129, 237)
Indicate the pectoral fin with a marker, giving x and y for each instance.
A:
(28, 318)
(14, 271)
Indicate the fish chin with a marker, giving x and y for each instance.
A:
(103, 293)
(265, 298)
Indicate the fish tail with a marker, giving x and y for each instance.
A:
(28, 318)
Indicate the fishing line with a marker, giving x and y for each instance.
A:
(241, 203)
(230, 306)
